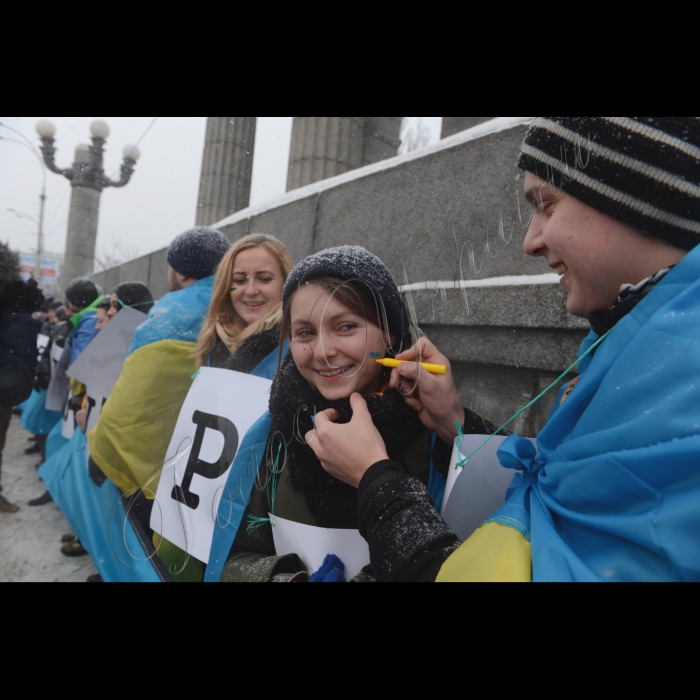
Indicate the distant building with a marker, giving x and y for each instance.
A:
(50, 270)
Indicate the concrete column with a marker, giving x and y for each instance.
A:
(82, 225)
(453, 125)
(324, 147)
(382, 138)
(227, 168)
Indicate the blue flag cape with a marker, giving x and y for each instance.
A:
(97, 515)
(613, 493)
(83, 335)
(177, 316)
(35, 418)
(241, 479)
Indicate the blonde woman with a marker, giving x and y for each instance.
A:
(243, 325)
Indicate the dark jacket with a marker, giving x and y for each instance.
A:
(408, 540)
(253, 557)
(18, 334)
(59, 335)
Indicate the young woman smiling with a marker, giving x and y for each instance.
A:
(242, 327)
(342, 311)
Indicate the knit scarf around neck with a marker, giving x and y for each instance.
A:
(294, 402)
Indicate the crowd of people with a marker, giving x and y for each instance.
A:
(610, 492)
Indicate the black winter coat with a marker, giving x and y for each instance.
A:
(18, 333)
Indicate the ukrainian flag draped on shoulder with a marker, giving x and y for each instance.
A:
(137, 422)
(239, 485)
(612, 493)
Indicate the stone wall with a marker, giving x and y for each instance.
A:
(422, 214)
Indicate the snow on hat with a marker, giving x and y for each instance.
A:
(357, 265)
(643, 171)
(197, 253)
(81, 292)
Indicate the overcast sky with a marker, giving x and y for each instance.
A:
(161, 200)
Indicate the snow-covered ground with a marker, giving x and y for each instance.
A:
(30, 541)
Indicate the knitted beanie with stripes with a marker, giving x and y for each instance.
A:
(643, 171)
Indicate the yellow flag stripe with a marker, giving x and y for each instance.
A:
(494, 554)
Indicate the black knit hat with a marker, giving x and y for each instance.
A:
(643, 171)
(135, 295)
(82, 292)
(359, 266)
(197, 253)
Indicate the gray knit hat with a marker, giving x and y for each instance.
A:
(82, 292)
(643, 171)
(197, 253)
(359, 266)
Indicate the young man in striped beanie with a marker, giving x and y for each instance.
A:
(612, 492)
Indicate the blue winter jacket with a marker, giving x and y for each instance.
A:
(177, 316)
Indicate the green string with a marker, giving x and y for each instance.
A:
(462, 463)
(134, 306)
(196, 374)
(254, 524)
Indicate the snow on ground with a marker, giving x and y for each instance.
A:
(30, 541)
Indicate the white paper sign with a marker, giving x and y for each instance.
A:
(102, 361)
(314, 544)
(60, 384)
(42, 342)
(68, 428)
(219, 410)
(475, 493)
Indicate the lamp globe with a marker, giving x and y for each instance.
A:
(45, 128)
(132, 152)
(99, 129)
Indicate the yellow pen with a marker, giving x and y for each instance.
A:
(431, 369)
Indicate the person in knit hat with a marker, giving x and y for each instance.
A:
(18, 334)
(131, 440)
(195, 255)
(342, 311)
(610, 494)
(131, 295)
(82, 298)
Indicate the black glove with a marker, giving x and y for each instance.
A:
(22, 297)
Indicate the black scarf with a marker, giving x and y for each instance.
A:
(294, 402)
(249, 355)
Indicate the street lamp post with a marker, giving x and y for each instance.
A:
(42, 198)
(88, 179)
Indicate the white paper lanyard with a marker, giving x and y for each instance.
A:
(313, 544)
(475, 493)
(42, 342)
(68, 428)
(219, 410)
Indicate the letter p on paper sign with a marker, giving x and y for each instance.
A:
(195, 465)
